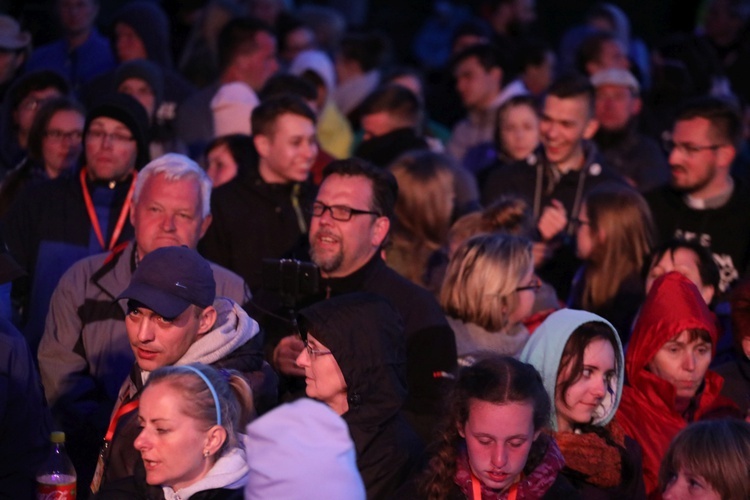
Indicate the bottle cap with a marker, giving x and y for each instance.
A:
(57, 437)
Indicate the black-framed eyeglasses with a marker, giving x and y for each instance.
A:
(116, 137)
(534, 285)
(338, 212)
(685, 147)
(313, 353)
(60, 135)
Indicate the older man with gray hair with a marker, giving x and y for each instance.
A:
(84, 354)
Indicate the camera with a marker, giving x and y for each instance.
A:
(290, 278)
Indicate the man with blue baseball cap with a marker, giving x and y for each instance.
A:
(175, 318)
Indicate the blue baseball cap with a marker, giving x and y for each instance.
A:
(170, 279)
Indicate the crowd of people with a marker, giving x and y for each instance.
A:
(257, 250)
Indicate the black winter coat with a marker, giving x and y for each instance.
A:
(365, 336)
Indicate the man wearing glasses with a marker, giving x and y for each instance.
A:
(351, 218)
(260, 214)
(53, 225)
(703, 201)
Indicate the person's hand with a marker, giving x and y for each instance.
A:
(285, 356)
(541, 252)
(553, 220)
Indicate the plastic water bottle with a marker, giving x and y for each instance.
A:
(56, 479)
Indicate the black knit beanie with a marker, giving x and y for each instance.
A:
(129, 112)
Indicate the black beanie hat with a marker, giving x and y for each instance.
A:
(129, 112)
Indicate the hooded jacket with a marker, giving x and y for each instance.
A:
(647, 412)
(228, 345)
(365, 336)
(544, 351)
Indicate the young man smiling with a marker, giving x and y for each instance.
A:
(555, 180)
(261, 214)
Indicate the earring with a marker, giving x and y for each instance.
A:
(205, 454)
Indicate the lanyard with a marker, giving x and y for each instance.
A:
(92, 212)
(476, 489)
(126, 408)
(101, 462)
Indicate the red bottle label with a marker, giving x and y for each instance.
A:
(46, 491)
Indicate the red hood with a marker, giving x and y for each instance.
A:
(647, 410)
(672, 306)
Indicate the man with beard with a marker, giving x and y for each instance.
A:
(351, 218)
(702, 200)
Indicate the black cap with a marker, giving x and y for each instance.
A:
(170, 279)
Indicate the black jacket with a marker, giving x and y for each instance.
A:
(254, 220)
(365, 335)
(430, 344)
(532, 181)
(48, 229)
(724, 230)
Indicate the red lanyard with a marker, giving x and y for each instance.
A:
(126, 408)
(476, 489)
(92, 212)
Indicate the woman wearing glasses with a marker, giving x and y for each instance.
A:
(354, 361)
(580, 359)
(489, 289)
(54, 148)
(614, 238)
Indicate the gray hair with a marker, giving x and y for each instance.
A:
(176, 167)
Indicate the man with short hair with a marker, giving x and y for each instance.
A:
(636, 157)
(351, 219)
(247, 59)
(173, 318)
(82, 53)
(55, 224)
(555, 180)
(702, 200)
(84, 354)
(479, 72)
(260, 214)
(390, 118)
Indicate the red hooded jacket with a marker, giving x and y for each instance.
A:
(647, 410)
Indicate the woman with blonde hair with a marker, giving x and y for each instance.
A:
(614, 238)
(489, 289)
(190, 419)
(423, 214)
